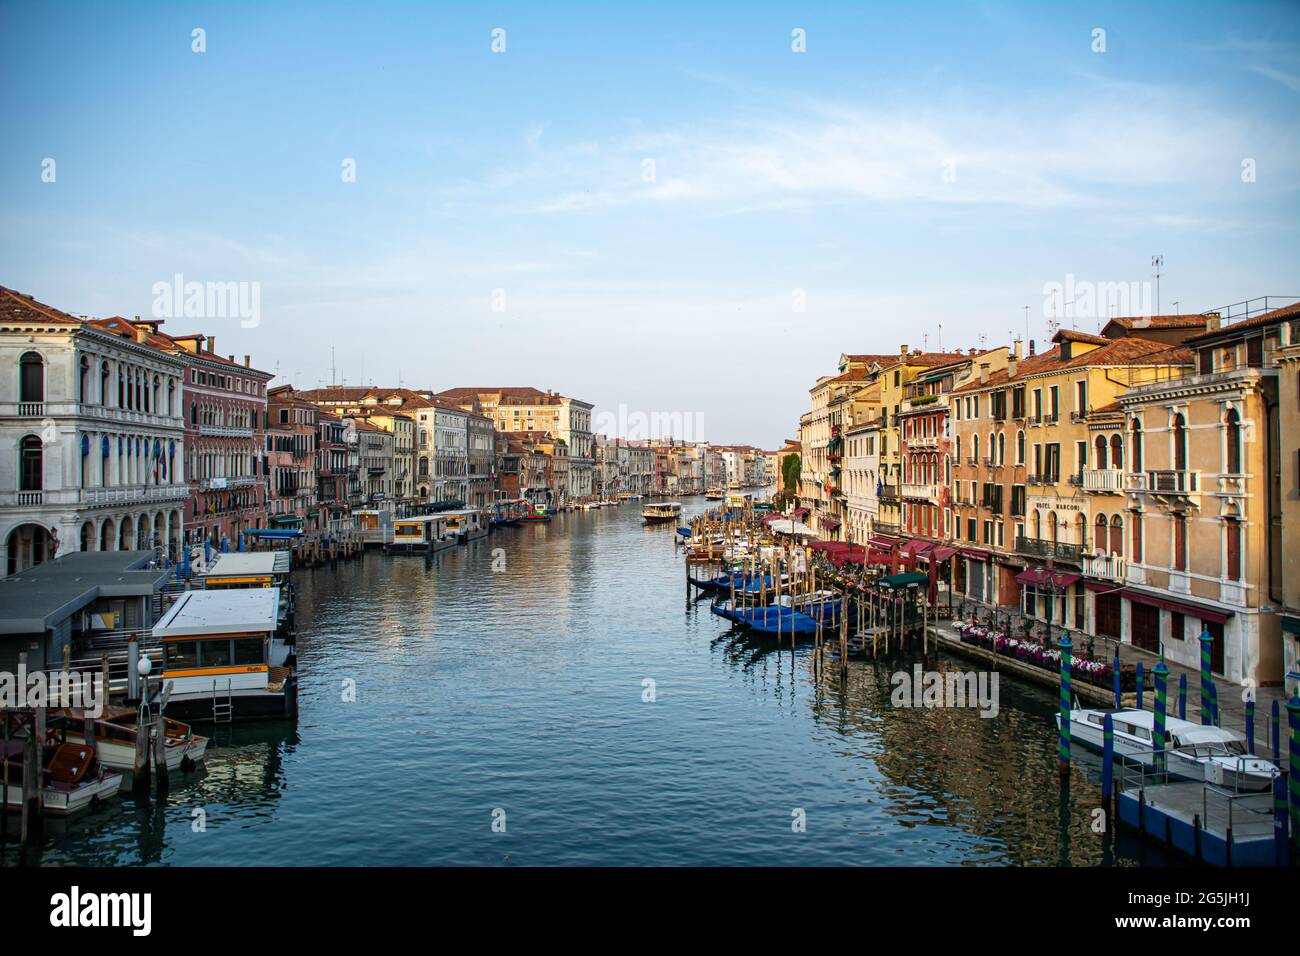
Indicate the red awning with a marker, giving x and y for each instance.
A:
(916, 546)
(1041, 577)
(799, 512)
(976, 555)
(1181, 607)
(853, 554)
(884, 544)
(830, 547)
(830, 523)
(877, 557)
(940, 554)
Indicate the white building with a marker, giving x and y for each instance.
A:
(861, 476)
(94, 433)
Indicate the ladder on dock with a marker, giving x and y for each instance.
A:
(223, 712)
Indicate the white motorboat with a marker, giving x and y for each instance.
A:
(1193, 751)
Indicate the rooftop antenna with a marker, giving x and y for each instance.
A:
(1026, 323)
(333, 369)
(1157, 263)
(925, 341)
(940, 336)
(1175, 306)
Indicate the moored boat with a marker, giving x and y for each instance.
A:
(1193, 751)
(72, 778)
(115, 738)
(539, 513)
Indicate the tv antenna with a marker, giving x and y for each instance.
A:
(1157, 262)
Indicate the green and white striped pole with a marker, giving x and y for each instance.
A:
(1207, 639)
(1063, 747)
(1158, 739)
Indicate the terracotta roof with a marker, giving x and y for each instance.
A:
(870, 359)
(20, 307)
(1185, 320)
(1259, 321)
(1116, 352)
(927, 358)
(158, 339)
(1074, 335)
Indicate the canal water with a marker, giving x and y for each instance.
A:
(503, 687)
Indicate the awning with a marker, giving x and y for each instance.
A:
(916, 546)
(975, 555)
(878, 557)
(1290, 624)
(830, 523)
(799, 512)
(1180, 607)
(939, 554)
(830, 547)
(1041, 577)
(884, 544)
(852, 554)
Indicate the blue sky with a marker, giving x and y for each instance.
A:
(918, 165)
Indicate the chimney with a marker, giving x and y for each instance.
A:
(1031, 346)
(1015, 348)
(141, 333)
(902, 350)
(247, 362)
(1013, 363)
(1212, 320)
(212, 344)
(984, 373)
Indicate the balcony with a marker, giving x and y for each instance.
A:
(1050, 419)
(226, 431)
(134, 494)
(921, 492)
(1033, 421)
(1056, 550)
(923, 441)
(31, 409)
(888, 491)
(224, 484)
(1181, 485)
(102, 413)
(886, 527)
(1105, 480)
(1110, 567)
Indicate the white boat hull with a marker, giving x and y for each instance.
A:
(61, 803)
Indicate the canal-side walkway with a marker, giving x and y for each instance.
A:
(1232, 704)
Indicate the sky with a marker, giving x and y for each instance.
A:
(681, 212)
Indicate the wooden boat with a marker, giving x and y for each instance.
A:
(1193, 751)
(72, 778)
(115, 738)
(661, 511)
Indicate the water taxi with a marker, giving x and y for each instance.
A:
(715, 494)
(739, 499)
(115, 738)
(224, 658)
(510, 512)
(1194, 751)
(73, 778)
(661, 511)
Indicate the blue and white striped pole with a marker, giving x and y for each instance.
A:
(1250, 722)
(1115, 671)
(1293, 784)
(1182, 696)
(1107, 759)
(1141, 678)
(1277, 732)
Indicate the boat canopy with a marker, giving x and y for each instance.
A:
(905, 580)
(249, 563)
(231, 611)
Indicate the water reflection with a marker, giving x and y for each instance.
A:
(521, 689)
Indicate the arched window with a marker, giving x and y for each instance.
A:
(1180, 443)
(1101, 452)
(1116, 534)
(1135, 536)
(1099, 537)
(103, 383)
(31, 387)
(1116, 453)
(31, 458)
(83, 380)
(1135, 445)
(1232, 425)
(1081, 530)
(1002, 448)
(121, 388)
(1020, 447)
